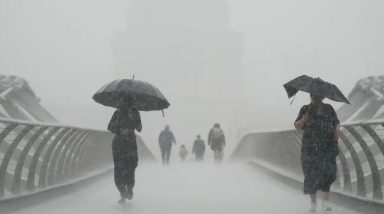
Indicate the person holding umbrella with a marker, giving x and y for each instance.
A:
(129, 97)
(123, 124)
(319, 149)
(321, 129)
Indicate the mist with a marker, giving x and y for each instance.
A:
(215, 61)
(186, 188)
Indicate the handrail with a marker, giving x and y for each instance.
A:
(26, 122)
(361, 123)
(361, 169)
(35, 156)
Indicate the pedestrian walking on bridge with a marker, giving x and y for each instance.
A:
(166, 139)
(216, 140)
(319, 148)
(198, 148)
(183, 153)
(321, 129)
(123, 124)
(129, 96)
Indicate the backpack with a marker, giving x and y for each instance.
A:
(216, 134)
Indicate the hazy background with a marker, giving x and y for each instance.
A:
(64, 49)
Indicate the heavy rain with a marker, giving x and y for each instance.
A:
(202, 107)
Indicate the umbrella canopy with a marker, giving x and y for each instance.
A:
(136, 94)
(314, 86)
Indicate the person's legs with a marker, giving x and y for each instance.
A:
(125, 159)
(168, 155)
(324, 192)
(330, 171)
(216, 154)
(325, 195)
(163, 155)
(325, 203)
(118, 162)
(119, 176)
(313, 202)
(221, 154)
(130, 177)
(311, 180)
(119, 181)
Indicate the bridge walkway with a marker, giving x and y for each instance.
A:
(186, 188)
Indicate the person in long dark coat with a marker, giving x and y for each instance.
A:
(166, 139)
(124, 149)
(319, 148)
(198, 148)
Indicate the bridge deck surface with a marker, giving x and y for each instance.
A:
(186, 189)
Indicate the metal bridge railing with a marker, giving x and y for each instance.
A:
(36, 156)
(360, 161)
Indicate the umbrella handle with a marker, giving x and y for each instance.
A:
(309, 108)
(292, 100)
(163, 112)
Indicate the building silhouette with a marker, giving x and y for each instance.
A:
(186, 48)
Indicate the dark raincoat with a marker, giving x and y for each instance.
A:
(319, 149)
(198, 149)
(124, 149)
(166, 139)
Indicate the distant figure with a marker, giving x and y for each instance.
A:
(124, 149)
(198, 148)
(183, 153)
(166, 139)
(319, 148)
(216, 140)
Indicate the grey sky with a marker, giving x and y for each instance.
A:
(63, 48)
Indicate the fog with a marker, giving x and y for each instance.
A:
(189, 190)
(216, 61)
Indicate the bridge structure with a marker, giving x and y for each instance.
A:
(18, 101)
(47, 167)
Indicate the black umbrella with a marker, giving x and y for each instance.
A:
(136, 94)
(314, 86)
